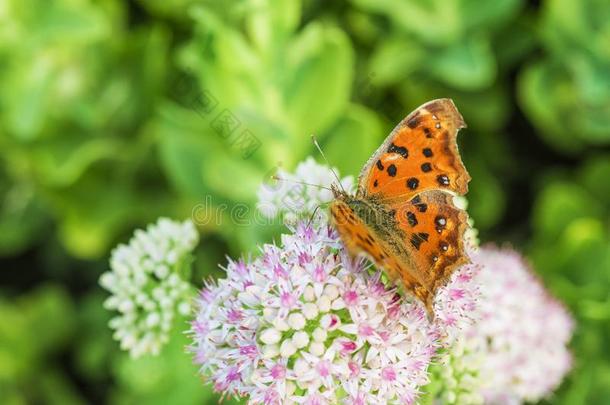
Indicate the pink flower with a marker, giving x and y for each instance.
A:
(388, 374)
(350, 298)
(278, 371)
(516, 351)
(523, 332)
(326, 325)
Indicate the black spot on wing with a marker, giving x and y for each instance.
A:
(442, 179)
(418, 238)
(413, 122)
(379, 165)
(392, 170)
(421, 207)
(412, 218)
(427, 152)
(412, 183)
(401, 150)
(426, 167)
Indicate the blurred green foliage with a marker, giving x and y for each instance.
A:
(113, 113)
(571, 250)
(34, 328)
(566, 92)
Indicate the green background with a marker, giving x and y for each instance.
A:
(109, 114)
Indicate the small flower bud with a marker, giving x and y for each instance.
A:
(270, 336)
(280, 324)
(310, 310)
(331, 291)
(287, 348)
(309, 294)
(337, 304)
(300, 367)
(324, 303)
(317, 348)
(296, 321)
(319, 335)
(269, 314)
(300, 339)
(270, 351)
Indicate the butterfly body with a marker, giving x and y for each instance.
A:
(368, 227)
(402, 215)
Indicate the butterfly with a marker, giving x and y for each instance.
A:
(402, 215)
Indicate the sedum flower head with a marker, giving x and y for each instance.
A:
(147, 283)
(517, 351)
(304, 324)
(523, 332)
(288, 199)
(456, 304)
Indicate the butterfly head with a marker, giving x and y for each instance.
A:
(338, 192)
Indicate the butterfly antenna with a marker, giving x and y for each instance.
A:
(317, 145)
(278, 178)
(313, 214)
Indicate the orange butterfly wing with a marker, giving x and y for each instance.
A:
(358, 236)
(420, 154)
(434, 230)
(417, 242)
(411, 178)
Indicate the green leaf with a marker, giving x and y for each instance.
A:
(558, 205)
(396, 58)
(542, 103)
(271, 23)
(318, 90)
(469, 65)
(488, 14)
(486, 198)
(595, 175)
(22, 216)
(435, 22)
(182, 158)
(60, 162)
(354, 138)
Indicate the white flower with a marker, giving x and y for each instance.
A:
(291, 200)
(148, 286)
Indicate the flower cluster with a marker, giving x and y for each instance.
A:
(148, 286)
(456, 304)
(306, 324)
(523, 332)
(291, 199)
